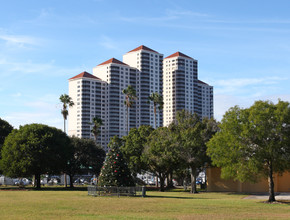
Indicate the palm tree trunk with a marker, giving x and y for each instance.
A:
(155, 115)
(127, 120)
(64, 175)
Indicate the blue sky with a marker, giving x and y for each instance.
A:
(243, 48)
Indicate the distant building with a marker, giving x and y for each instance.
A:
(117, 76)
(86, 91)
(205, 98)
(100, 94)
(180, 86)
(148, 80)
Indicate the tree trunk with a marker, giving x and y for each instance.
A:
(37, 179)
(64, 179)
(71, 184)
(169, 180)
(193, 180)
(205, 179)
(157, 185)
(34, 181)
(161, 177)
(271, 184)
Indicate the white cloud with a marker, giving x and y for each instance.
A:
(18, 94)
(181, 12)
(239, 84)
(43, 110)
(22, 118)
(108, 43)
(30, 67)
(222, 102)
(244, 92)
(20, 40)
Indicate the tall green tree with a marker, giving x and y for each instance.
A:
(115, 171)
(193, 150)
(253, 142)
(87, 157)
(97, 123)
(35, 149)
(130, 96)
(161, 154)
(157, 100)
(194, 134)
(66, 102)
(133, 148)
(5, 130)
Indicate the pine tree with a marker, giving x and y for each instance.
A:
(115, 171)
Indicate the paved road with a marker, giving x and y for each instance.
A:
(279, 196)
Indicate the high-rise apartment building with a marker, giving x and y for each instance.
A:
(118, 76)
(206, 99)
(85, 90)
(148, 81)
(180, 89)
(100, 94)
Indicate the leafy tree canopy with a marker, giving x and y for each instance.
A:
(35, 149)
(161, 153)
(5, 129)
(87, 157)
(193, 135)
(133, 148)
(253, 142)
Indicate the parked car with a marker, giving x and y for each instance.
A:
(22, 181)
(53, 181)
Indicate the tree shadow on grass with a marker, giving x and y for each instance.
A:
(173, 197)
(44, 188)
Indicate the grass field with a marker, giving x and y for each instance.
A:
(57, 204)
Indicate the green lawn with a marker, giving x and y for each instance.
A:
(58, 204)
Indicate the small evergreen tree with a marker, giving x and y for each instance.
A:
(115, 171)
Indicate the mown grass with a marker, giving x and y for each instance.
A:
(49, 204)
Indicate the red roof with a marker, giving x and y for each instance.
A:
(113, 60)
(85, 75)
(199, 81)
(178, 54)
(142, 47)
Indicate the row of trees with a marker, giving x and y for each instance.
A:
(248, 144)
(168, 150)
(37, 149)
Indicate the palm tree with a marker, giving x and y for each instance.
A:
(66, 102)
(97, 122)
(130, 93)
(157, 99)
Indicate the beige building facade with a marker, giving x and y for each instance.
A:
(216, 184)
